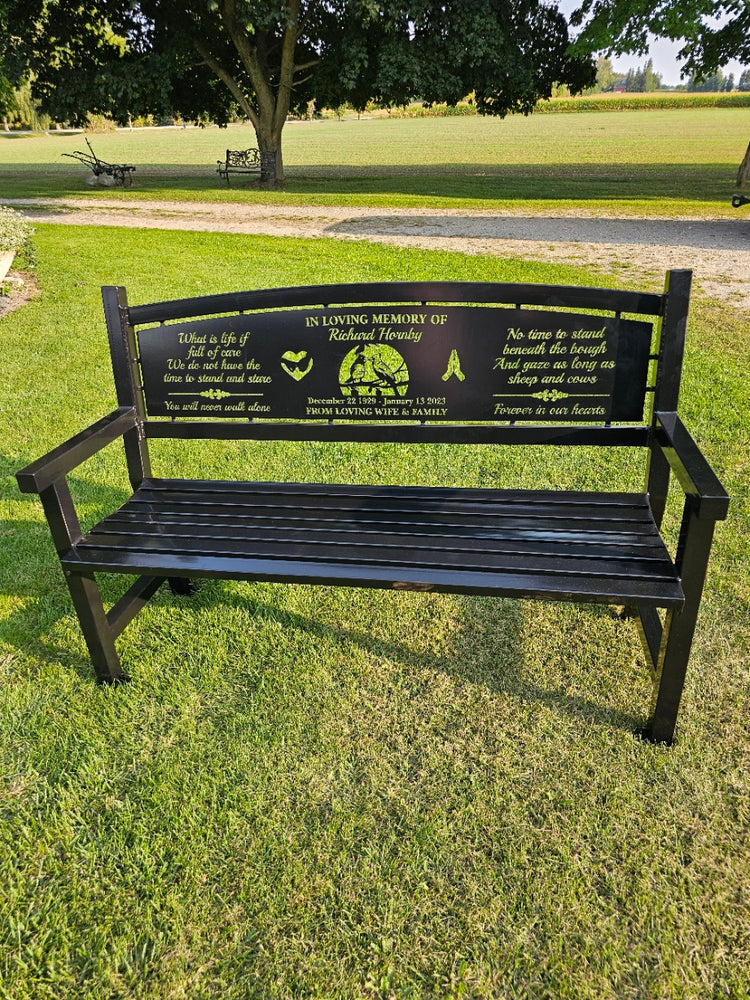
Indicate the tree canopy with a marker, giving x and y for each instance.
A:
(712, 32)
(5, 85)
(265, 58)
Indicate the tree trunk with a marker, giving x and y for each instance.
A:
(744, 171)
(268, 112)
(271, 158)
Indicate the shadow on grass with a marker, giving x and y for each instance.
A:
(729, 234)
(586, 182)
(474, 657)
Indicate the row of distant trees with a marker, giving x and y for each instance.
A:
(22, 111)
(718, 82)
(267, 59)
(645, 79)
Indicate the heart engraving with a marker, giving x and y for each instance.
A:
(294, 365)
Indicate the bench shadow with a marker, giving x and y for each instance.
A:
(30, 574)
(504, 673)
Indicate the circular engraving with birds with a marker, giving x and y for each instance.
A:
(373, 371)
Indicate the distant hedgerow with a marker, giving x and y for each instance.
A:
(642, 102)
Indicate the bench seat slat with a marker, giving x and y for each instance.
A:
(417, 514)
(235, 538)
(540, 544)
(476, 504)
(593, 589)
(599, 562)
(180, 487)
(481, 535)
(387, 518)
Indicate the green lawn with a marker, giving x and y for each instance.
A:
(674, 162)
(311, 792)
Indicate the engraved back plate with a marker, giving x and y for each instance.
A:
(391, 362)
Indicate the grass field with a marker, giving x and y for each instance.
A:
(675, 162)
(346, 795)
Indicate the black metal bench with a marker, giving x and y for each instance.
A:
(239, 161)
(121, 173)
(475, 363)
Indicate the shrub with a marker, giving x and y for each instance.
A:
(15, 235)
(99, 123)
(461, 109)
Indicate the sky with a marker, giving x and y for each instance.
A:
(662, 51)
(664, 54)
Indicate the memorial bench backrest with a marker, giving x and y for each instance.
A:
(447, 362)
(242, 157)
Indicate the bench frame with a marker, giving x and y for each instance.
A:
(239, 161)
(670, 450)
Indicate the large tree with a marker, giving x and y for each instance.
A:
(265, 58)
(712, 32)
(6, 92)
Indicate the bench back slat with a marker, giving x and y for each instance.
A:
(243, 158)
(403, 292)
(616, 435)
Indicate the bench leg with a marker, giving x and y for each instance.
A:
(670, 678)
(677, 638)
(84, 591)
(98, 633)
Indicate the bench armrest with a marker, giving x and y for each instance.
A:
(61, 460)
(689, 465)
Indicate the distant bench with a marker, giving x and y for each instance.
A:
(420, 363)
(239, 161)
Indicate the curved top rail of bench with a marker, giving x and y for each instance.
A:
(500, 293)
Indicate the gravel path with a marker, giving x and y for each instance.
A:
(718, 250)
